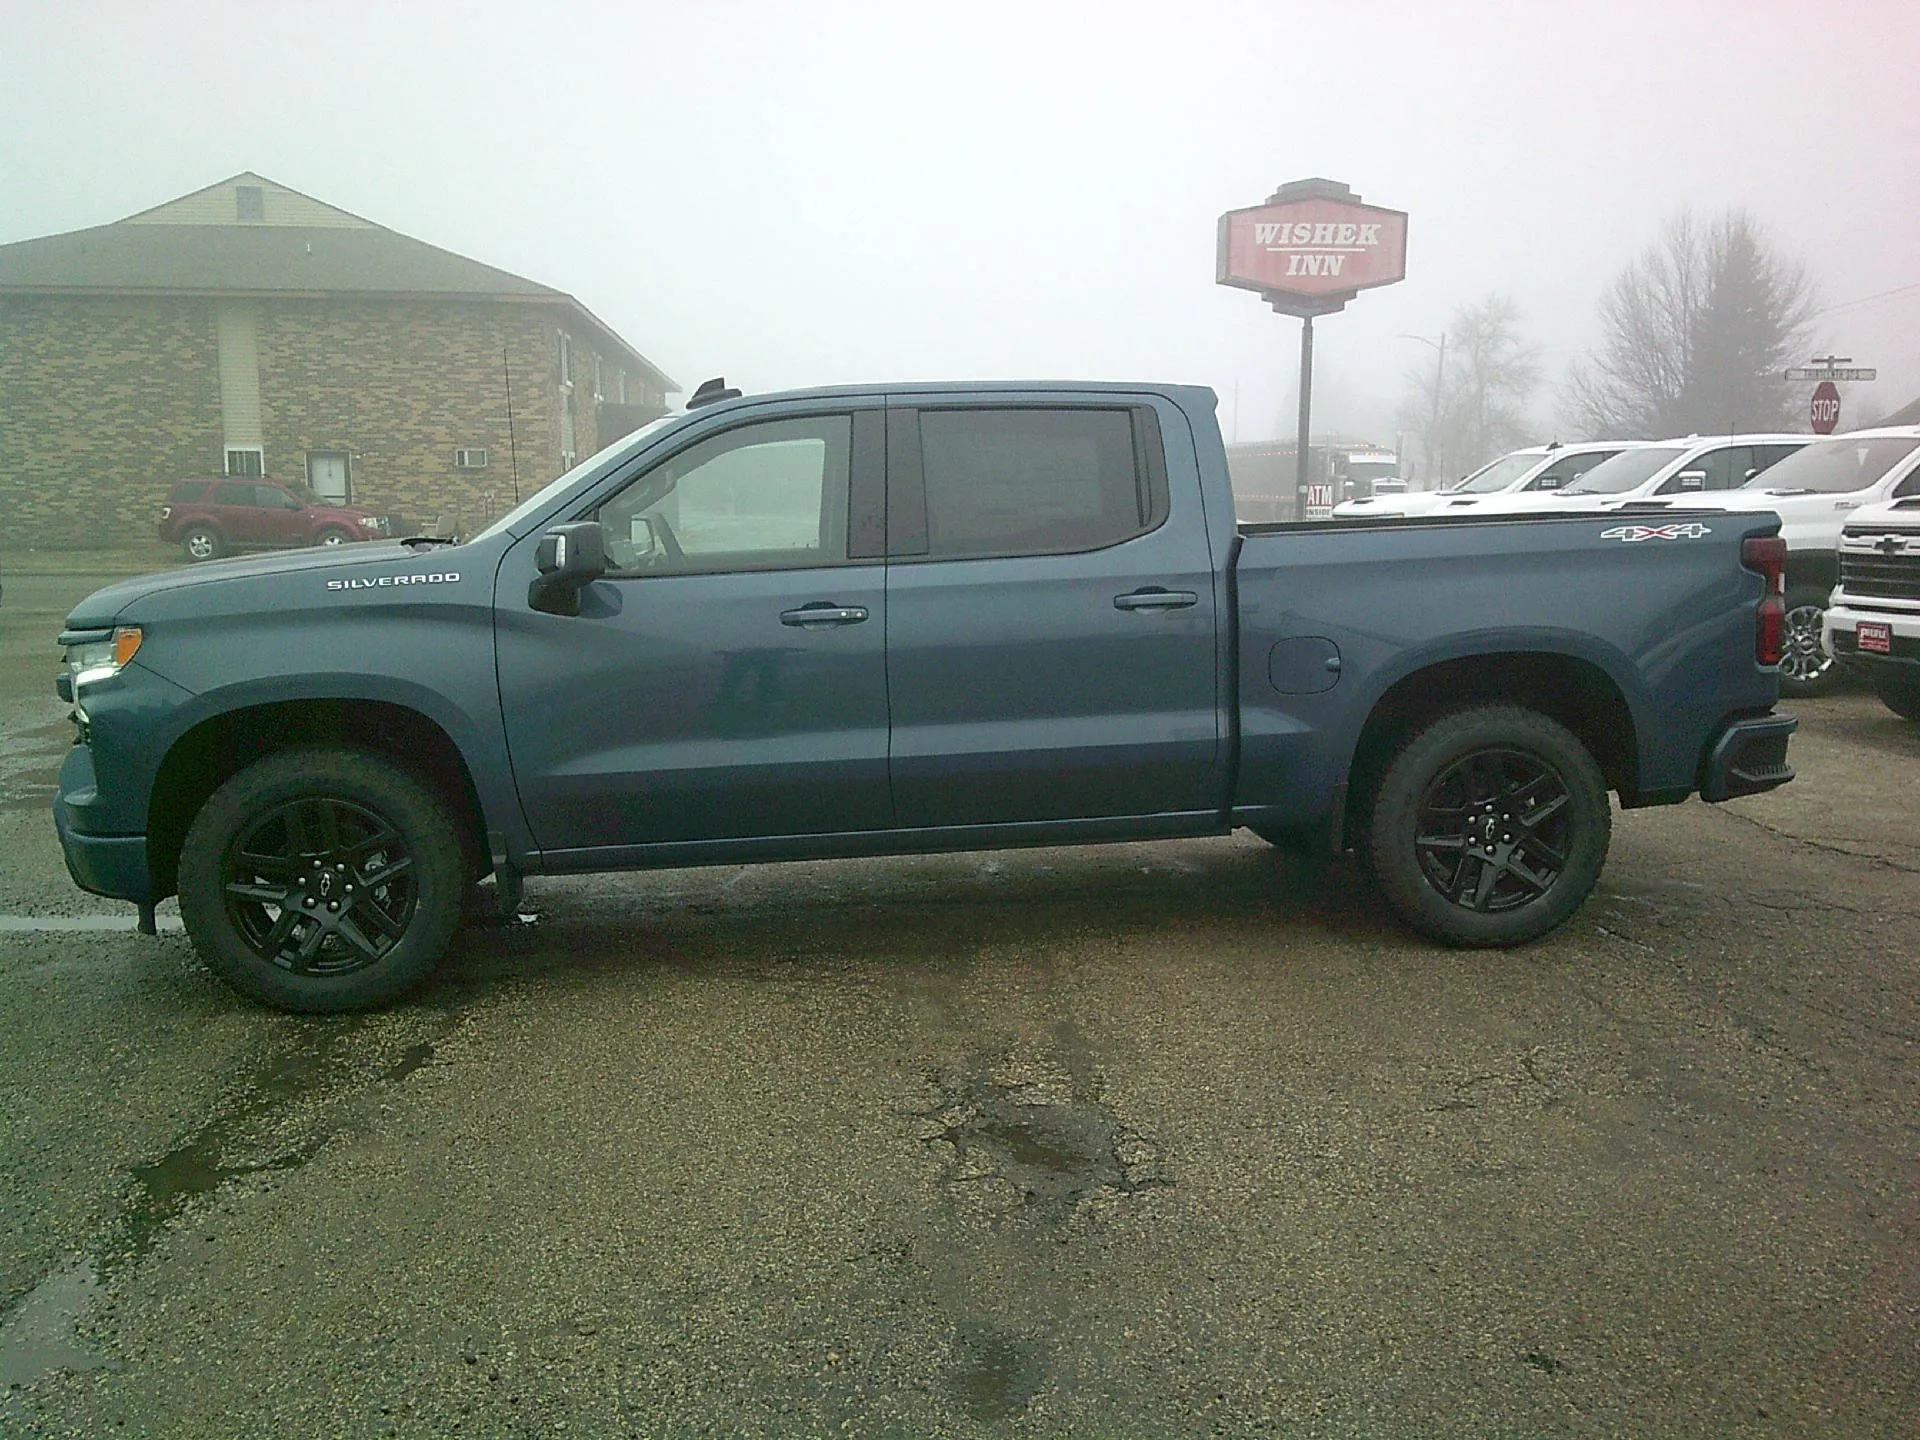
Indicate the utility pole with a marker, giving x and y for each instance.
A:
(1439, 379)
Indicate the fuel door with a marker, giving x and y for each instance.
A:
(1304, 665)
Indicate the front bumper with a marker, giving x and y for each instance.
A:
(1749, 756)
(110, 865)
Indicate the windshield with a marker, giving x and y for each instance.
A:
(1836, 466)
(1507, 470)
(546, 493)
(1628, 470)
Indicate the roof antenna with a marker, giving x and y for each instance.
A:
(712, 392)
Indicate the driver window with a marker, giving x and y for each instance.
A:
(771, 496)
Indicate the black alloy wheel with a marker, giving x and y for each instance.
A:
(319, 887)
(1493, 830)
(1486, 827)
(324, 879)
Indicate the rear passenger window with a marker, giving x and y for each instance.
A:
(233, 495)
(1034, 481)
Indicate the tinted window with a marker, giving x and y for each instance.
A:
(1031, 482)
(187, 490)
(1725, 468)
(1626, 471)
(1568, 468)
(273, 497)
(762, 497)
(233, 495)
(1766, 455)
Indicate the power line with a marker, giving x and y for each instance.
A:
(1881, 295)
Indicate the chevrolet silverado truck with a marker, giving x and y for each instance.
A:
(1872, 625)
(866, 621)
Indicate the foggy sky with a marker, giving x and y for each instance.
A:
(807, 194)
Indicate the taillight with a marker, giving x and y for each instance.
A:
(1767, 554)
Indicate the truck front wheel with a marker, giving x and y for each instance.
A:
(1488, 827)
(322, 880)
(1805, 666)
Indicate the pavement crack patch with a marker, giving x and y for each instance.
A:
(1825, 847)
(1037, 1141)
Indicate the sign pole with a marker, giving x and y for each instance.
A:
(1300, 476)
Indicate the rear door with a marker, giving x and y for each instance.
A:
(283, 516)
(236, 511)
(1050, 612)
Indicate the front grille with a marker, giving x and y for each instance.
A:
(1883, 577)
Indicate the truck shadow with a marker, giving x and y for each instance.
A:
(936, 913)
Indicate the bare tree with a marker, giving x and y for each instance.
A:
(1694, 335)
(1468, 403)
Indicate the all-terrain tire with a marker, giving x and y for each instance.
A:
(268, 873)
(1522, 792)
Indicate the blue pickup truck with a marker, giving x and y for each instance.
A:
(907, 618)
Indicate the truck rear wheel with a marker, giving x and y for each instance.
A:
(322, 880)
(1488, 827)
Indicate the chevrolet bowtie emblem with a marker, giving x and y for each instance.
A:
(1890, 545)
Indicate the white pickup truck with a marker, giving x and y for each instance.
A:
(1537, 467)
(1873, 619)
(1815, 493)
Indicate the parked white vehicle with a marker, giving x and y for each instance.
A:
(1872, 623)
(1671, 471)
(1816, 493)
(1537, 467)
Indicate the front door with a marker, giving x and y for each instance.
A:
(327, 476)
(727, 679)
(1050, 616)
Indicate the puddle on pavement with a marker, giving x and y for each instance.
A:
(77, 924)
(37, 1338)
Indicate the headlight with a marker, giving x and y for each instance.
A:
(102, 658)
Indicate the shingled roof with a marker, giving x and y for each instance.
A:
(299, 246)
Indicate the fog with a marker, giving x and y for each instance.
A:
(805, 194)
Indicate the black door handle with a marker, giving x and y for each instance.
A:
(822, 613)
(1156, 600)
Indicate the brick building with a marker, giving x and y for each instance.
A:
(249, 329)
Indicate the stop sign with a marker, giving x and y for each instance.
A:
(1825, 410)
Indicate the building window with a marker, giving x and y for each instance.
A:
(598, 392)
(569, 447)
(566, 362)
(620, 384)
(250, 202)
(247, 460)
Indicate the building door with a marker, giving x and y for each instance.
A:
(327, 476)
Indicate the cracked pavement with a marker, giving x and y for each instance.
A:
(1136, 1140)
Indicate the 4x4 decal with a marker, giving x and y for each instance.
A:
(1632, 534)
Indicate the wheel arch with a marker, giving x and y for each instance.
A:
(1574, 689)
(218, 746)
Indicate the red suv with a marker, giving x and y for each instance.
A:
(213, 517)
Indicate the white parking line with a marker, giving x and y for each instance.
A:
(68, 924)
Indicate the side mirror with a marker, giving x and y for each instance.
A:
(569, 558)
(1693, 479)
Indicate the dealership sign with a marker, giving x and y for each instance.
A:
(1311, 248)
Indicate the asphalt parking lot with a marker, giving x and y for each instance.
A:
(1138, 1140)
